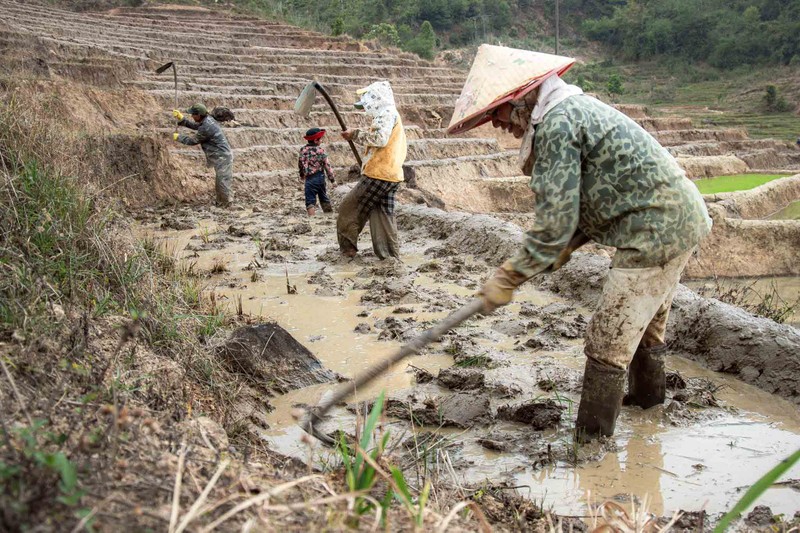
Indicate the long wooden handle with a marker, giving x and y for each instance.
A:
(416, 344)
(175, 79)
(327, 97)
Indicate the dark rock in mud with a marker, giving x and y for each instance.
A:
(422, 375)
(540, 415)
(461, 378)
(268, 354)
(689, 521)
(397, 329)
(402, 310)
(456, 410)
(238, 231)
(675, 381)
(761, 515)
(363, 327)
(540, 342)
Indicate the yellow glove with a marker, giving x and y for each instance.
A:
(499, 289)
(175, 136)
(177, 114)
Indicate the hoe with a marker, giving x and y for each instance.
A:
(315, 415)
(306, 100)
(164, 67)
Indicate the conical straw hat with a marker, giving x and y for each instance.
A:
(500, 74)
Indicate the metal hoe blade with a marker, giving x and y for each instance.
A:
(164, 67)
(305, 102)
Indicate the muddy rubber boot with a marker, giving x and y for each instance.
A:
(326, 207)
(647, 382)
(311, 211)
(601, 400)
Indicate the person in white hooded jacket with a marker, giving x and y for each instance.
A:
(372, 198)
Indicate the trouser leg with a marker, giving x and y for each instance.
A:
(647, 378)
(383, 230)
(632, 299)
(223, 169)
(350, 221)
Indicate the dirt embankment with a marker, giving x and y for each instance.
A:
(724, 338)
(743, 248)
(743, 245)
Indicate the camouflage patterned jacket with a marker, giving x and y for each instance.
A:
(598, 171)
(210, 138)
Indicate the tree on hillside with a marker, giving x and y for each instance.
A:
(424, 43)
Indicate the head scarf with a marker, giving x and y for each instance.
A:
(314, 134)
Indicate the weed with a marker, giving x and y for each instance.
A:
(473, 361)
(218, 266)
(29, 480)
(766, 303)
(359, 474)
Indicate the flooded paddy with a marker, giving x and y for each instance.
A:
(700, 450)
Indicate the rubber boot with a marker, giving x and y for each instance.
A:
(311, 211)
(326, 207)
(647, 382)
(601, 400)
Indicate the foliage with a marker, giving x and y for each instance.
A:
(756, 490)
(727, 33)
(359, 474)
(423, 44)
(614, 85)
(31, 479)
(384, 33)
(773, 101)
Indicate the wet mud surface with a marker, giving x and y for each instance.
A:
(493, 402)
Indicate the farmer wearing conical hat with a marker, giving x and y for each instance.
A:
(214, 144)
(373, 196)
(597, 175)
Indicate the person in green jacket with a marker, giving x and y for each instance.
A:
(597, 175)
(215, 146)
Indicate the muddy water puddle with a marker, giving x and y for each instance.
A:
(681, 455)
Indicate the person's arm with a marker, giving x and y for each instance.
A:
(301, 167)
(556, 182)
(379, 131)
(328, 169)
(189, 123)
(200, 137)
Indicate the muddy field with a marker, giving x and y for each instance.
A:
(493, 401)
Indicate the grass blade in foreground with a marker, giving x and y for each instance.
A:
(754, 492)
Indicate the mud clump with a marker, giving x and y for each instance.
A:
(391, 292)
(362, 328)
(461, 378)
(268, 354)
(397, 329)
(457, 410)
(539, 415)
